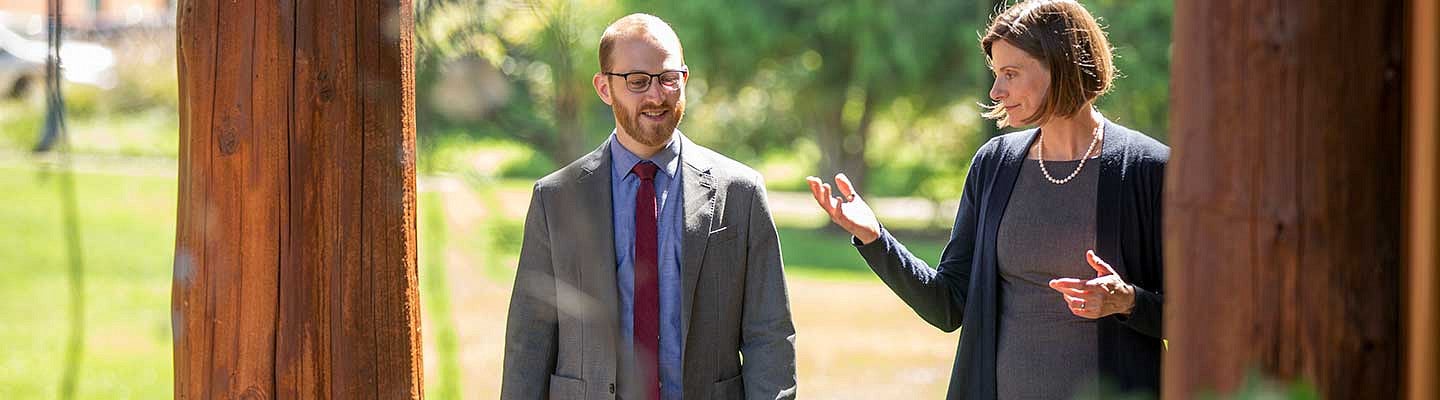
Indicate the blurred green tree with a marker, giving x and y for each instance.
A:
(511, 69)
(1140, 33)
(882, 89)
(827, 68)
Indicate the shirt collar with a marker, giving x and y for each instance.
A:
(622, 160)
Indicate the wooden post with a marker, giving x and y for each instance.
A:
(295, 249)
(1423, 247)
(1284, 196)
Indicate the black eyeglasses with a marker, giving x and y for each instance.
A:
(639, 82)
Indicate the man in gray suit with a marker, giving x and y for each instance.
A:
(650, 267)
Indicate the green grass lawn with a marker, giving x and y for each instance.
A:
(128, 228)
(145, 132)
(435, 298)
(827, 254)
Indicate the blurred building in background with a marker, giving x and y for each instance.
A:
(94, 32)
(29, 15)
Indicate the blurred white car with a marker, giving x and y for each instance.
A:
(22, 63)
(19, 76)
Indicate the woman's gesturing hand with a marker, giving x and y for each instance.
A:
(1096, 298)
(847, 210)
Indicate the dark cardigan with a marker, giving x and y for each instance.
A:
(963, 290)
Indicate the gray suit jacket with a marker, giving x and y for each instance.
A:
(562, 335)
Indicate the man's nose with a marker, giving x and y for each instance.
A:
(655, 94)
(651, 98)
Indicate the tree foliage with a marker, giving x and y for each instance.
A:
(888, 89)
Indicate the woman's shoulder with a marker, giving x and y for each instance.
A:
(1136, 144)
(1142, 147)
(1002, 144)
(1018, 138)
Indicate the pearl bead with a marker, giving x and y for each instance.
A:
(1040, 153)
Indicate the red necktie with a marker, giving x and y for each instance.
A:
(647, 288)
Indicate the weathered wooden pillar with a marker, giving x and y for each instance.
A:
(295, 253)
(1284, 197)
(1423, 245)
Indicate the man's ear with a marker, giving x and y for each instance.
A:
(602, 88)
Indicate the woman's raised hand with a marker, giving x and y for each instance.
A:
(847, 210)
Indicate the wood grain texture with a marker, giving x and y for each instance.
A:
(1283, 233)
(1422, 379)
(195, 62)
(387, 46)
(295, 251)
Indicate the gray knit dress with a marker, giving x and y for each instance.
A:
(1044, 351)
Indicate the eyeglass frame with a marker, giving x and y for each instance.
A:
(684, 73)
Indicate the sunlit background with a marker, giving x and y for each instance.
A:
(889, 88)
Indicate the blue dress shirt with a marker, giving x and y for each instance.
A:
(671, 225)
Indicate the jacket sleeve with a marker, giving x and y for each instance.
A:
(768, 334)
(531, 327)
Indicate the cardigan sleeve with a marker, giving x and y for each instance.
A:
(938, 295)
(1148, 315)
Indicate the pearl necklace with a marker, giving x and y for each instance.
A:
(1040, 153)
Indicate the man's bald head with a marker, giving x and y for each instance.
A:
(638, 26)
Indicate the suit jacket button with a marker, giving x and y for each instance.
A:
(612, 388)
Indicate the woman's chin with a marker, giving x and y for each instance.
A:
(1019, 121)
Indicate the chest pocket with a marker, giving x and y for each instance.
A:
(723, 235)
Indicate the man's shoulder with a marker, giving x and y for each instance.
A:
(580, 168)
(725, 170)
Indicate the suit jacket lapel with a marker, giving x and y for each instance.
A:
(699, 197)
(597, 236)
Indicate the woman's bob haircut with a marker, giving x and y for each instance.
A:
(1068, 42)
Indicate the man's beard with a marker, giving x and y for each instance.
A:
(646, 131)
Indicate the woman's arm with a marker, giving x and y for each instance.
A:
(937, 295)
(1148, 315)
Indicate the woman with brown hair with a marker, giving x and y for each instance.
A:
(1054, 267)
